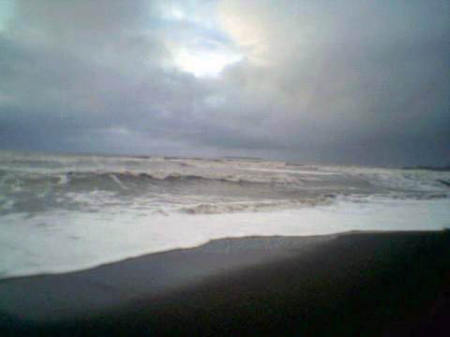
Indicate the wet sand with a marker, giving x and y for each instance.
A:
(352, 284)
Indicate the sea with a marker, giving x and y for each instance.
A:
(61, 213)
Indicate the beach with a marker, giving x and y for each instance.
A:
(350, 284)
(224, 168)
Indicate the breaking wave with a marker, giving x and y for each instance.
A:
(198, 186)
(56, 209)
(254, 206)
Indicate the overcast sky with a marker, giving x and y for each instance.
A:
(357, 82)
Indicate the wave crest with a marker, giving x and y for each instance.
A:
(254, 206)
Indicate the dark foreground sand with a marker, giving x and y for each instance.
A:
(355, 284)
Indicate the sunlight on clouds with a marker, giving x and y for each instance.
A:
(196, 39)
(173, 12)
(247, 31)
(205, 63)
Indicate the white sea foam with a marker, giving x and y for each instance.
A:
(61, 241)
(252, 206)
(63, 179)
(118, 182)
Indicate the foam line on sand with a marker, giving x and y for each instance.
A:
(374, 284)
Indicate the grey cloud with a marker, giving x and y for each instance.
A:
(354, 82)
(357, 74)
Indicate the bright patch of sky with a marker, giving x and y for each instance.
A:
(205, 62)
(201, 47)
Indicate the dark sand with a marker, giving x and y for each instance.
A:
(355, 284)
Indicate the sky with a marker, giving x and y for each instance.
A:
(344, 82)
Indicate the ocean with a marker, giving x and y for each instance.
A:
(61, 213)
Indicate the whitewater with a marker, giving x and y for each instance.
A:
(61, 213)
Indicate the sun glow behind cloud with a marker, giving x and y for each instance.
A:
(198, 42)
(205, 63)
(247, 31)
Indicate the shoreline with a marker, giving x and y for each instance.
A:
(218, 242)
(371, 283)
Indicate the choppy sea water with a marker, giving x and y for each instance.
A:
(68, 212)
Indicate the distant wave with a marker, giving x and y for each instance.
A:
(195, 186)
(254, 206)
(350, 181)
(72, 177)
(121, 177)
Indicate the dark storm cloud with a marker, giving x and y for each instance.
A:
(349, 82)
